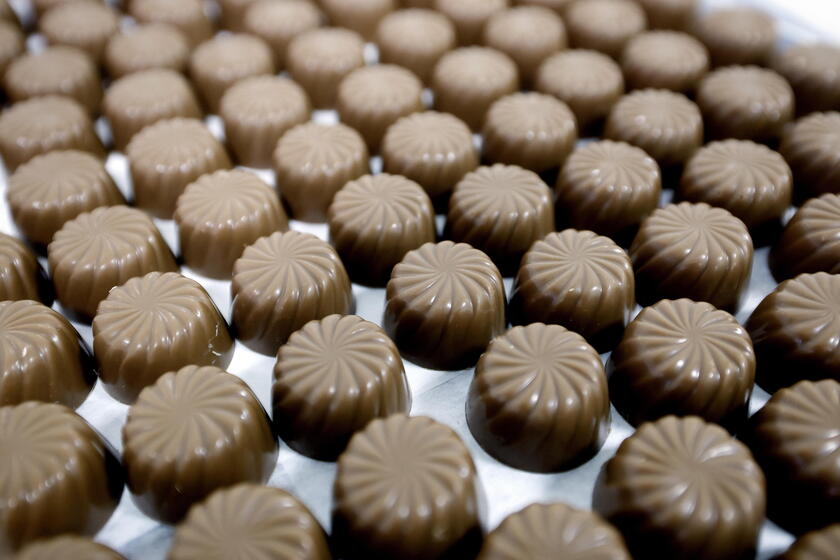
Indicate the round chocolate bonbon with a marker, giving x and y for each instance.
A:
(811, 147)
(664, 60)
(250, 520)
(133, 330)
(68, 546)
(669, 14)
(277, 23)
(528, 35)
(319, 59)
(21, 276)
(684, 358)
(512, 406)
(816, 545)
(331, 378)
(186, 15)
(470, 16)
(737, 35)
(375, 220)
(813, 71)
(604, 25)
(11, 44)
(415, 39)
(423, 469)
(146, 47)
(810, 241)
(282, 282)
(362, 16)
(194, 431)
(86, 26)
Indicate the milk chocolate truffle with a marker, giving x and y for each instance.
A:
(282, 282)
(532, 130)
(513, 405)
(187, 15)
(57, 475)
(313, 161)
(745, 102)
(21, 277)
(607, 187)
(319, 59)
(669, 14)
(133, 332)
(812, 148)
(693, 251)
(194, 431)
(683, 488)
(332, 377)
(470, 16)
(11, 44)
(501, 210)
(468, 80)
(811, 240)
(145, 47)
(587, 81)
(42, 357)
(796, 331)
(217, 64)
(816, 545)
(445, 302)
(86, 25)
(68, 547)
(415, 39)
(55, 71)
(247, 520)
(813, 70)
(222, 213)
(664, 60)
(528, 35)
(579, 280)
(434, 149)
(665, 124)
(794, 438)
(362, 16)
(748, 179)
(737, 35)
(277, 23)
(421, 468)
(134, 102)
(375, 220)
(553, 530)
(167, 156)
(257, 111)
(604, 25)
(684, 358)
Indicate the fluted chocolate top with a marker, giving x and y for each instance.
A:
(812, 148)
(604, 25)
(470, 16)
(21, 276)
(527, 34)
(145, 47)
(84, 25)
(186, 15)
(813, 70)
(415, 39)
(277, 23)
(665, 60)
(319, 59)
(737, 35)
(69, 547)
(811, 240)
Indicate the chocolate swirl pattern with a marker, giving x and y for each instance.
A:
(813, 71)
(812, 148)
(604, 25)
(810, 241)
(319, 59)
(816, 545)
(68, 546)
(415, 39)
(527, 34)
(146, 47)
(665, 60)
(21, 277)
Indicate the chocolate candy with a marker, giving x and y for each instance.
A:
(745, 102)
(547, 530)
(664, 60)
(470, 16)
(811, 240)
(217, 64)
(375, 220)
(434, 149)
(21, 277)
(607, 187)
(604, 25)
(68, 547)
(132, 332)
(146, 97)
(57, 475)
(332, 377)
(187, 15)
(693, 251)
(557, 5)
(52, 189)
(257, 111)
(11, 44)
(233, 13)
(313, 161)
(812, 148)
(737, 35)
(422, 468)
(587, 81)
(8, 14)
(277, 23)
(415, 39)
(665, 124)
(54, 71)
(250, 519)
(512, 406)
(816, 545)
(445, 302)
(42, 6)
(683, 488)
(802, 309)
(282, 282)
(532, 130)
(192, 432)
(167, 156)
(748, 179)
(669, 14)
(84, 25)
(362, 16)
(372, 98)
(501, 210)
(684, 358)
(794, 438)
(222, 213)
(145, 47)
(319, 59)
(579, 280)
(813, 70)
(528, 35)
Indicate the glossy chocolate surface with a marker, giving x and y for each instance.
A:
(813, 70)
(68, 547)
(810, 241)
(816, 545)
(812, 148)
(415, 39)
(21, 276)
(145, 47)
(86, 26)
(528, 35)
(186, 15)
(604, 25)
(319, 59)
(470, 16)
(664, 60)
(737, 35)
(277, 23)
